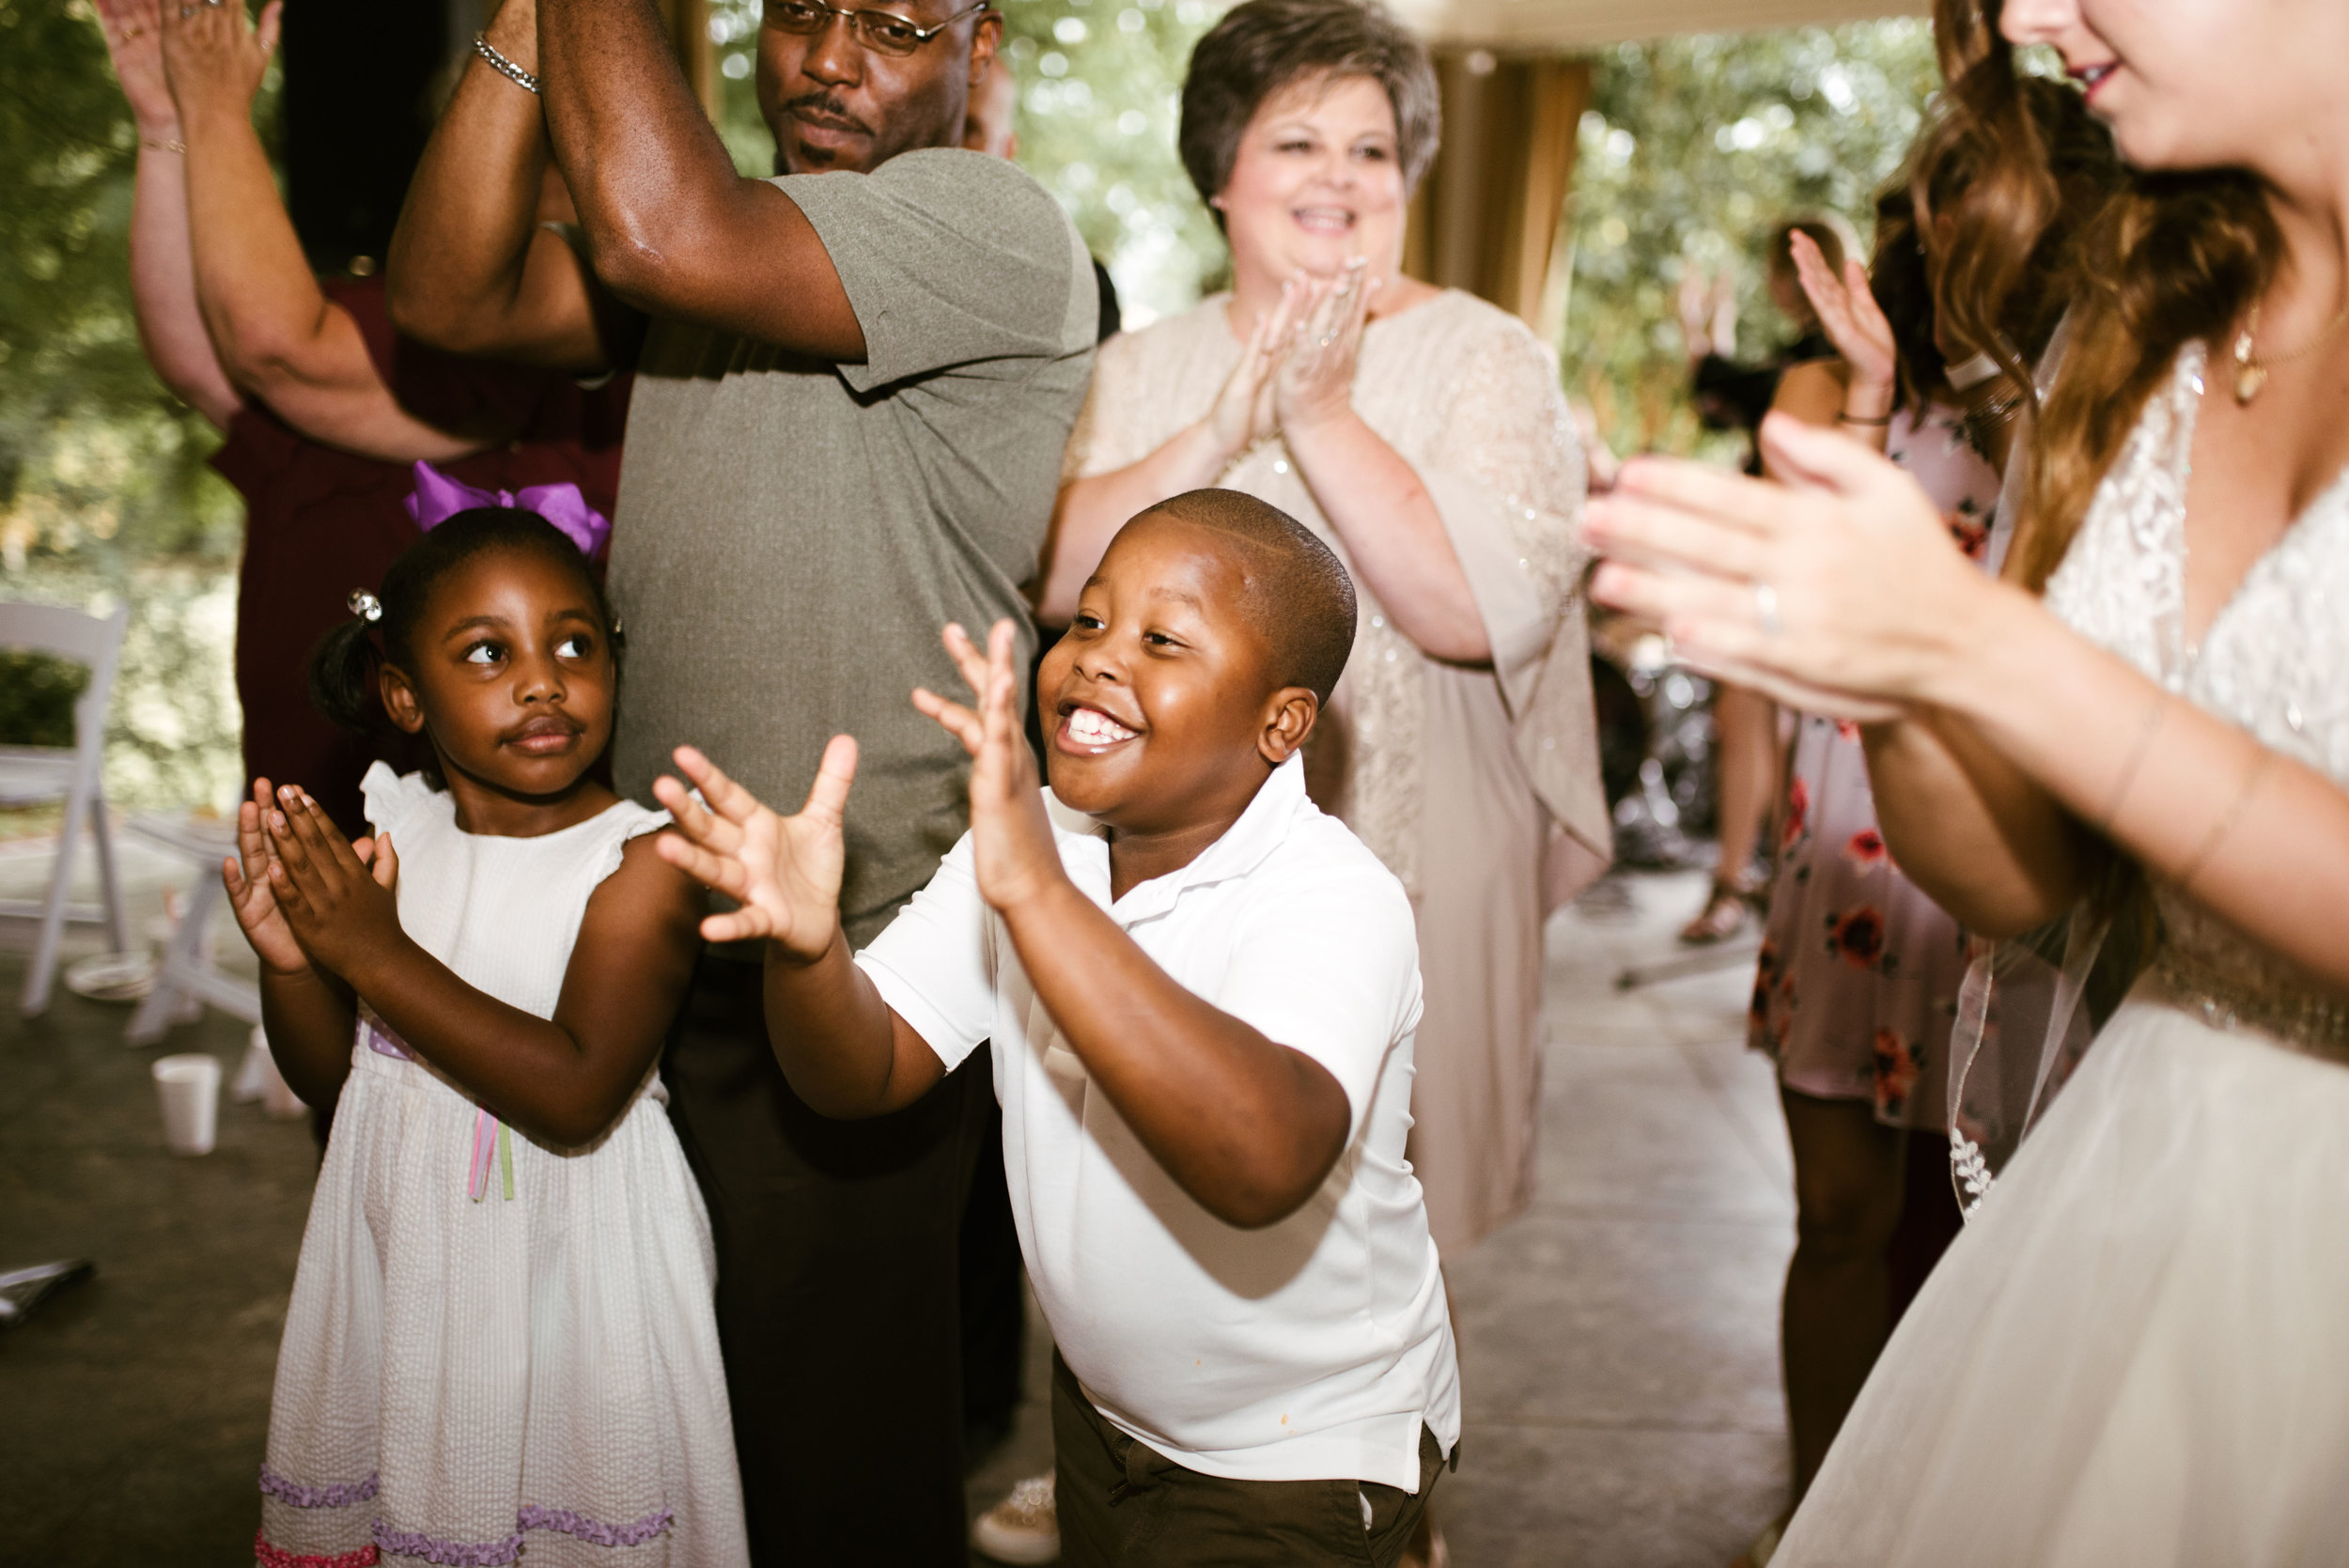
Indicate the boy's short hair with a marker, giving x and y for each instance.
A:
(1298, 596)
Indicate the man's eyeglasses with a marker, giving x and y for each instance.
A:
(882, 32)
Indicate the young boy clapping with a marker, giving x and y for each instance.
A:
(1201, 992)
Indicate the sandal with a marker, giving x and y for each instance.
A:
(1723, 916)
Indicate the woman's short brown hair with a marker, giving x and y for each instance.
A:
(1262, 46)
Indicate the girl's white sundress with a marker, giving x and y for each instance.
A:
(496, 1346)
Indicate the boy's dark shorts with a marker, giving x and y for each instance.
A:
(1123, 1505)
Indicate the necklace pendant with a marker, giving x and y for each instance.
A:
(2248, 378)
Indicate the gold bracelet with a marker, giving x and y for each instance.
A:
(175, 144)
(2225, 825)
(2150, 727)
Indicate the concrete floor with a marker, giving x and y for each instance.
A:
(1618, 1341)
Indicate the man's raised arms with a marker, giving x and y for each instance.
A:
(470, 269)
(670, 227)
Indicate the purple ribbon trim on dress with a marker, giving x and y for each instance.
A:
(594, 1534)
(492, 1147)
(437, 498)
(342, 1493)
(381, 1041)
(489, 1554)
(451, 1554)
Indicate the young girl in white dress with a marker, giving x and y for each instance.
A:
(501, 1337)
(2136, 1353)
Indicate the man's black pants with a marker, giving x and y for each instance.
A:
(837, 1261)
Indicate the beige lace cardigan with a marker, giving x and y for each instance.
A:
(1471, 399)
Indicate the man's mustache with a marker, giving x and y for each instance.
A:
(822, 106)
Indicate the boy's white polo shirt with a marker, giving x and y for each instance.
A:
(1309, 1350)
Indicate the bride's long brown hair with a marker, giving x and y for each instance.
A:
(2166, 259)
(1991, 232)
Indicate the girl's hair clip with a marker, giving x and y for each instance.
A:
(365, 605)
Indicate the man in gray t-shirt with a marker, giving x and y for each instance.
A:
(853, 385)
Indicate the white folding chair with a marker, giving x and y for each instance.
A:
(186, 977)
(35, 775)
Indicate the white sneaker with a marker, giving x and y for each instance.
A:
(1023, 1528)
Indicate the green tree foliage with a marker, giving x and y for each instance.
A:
(1691, 150)
(104, 494)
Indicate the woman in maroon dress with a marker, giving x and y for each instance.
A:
(325, 408)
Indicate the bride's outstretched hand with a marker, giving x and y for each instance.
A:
(783, 871)
(1012, 851)
(1839, 591)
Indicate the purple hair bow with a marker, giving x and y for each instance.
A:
(436, 498)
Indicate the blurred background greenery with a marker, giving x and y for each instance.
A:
(1690, 149)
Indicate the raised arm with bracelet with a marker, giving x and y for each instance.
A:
(163, 277)
(470, 268)
(278, 337)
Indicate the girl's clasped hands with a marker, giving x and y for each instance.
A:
(305, 896)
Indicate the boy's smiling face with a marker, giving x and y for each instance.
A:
(1163, 706)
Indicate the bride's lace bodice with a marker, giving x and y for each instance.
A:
(2275, 662)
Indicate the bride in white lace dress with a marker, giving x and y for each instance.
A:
(2138, 1351)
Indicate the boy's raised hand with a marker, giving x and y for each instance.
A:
(784, 870)
(1011, 838)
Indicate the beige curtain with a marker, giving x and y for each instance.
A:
(1486, 216)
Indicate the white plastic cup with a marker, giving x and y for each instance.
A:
(190, 1088)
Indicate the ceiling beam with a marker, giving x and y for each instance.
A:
(1553, 25)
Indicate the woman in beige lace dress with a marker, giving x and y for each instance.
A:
(1423, 434)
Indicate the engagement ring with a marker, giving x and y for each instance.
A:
(1765, 608)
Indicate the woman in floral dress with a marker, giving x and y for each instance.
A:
(1856, 989)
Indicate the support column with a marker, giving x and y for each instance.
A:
(1486, 216)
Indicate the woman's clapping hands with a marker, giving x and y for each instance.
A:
(1838, 591)
(1297, 368)
(1852, 321)
(1314, 382)
(134, 39)
(1241, 414)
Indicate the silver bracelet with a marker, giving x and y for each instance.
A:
(502, 65)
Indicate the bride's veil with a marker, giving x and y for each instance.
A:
(2027, 1012)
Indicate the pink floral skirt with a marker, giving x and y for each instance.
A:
(1856, 989)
